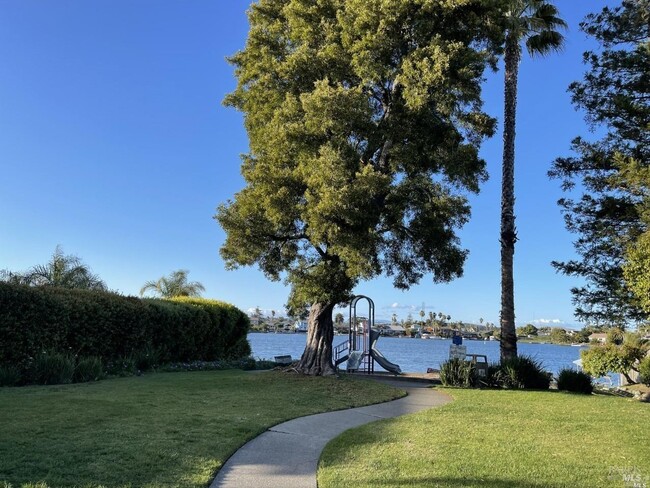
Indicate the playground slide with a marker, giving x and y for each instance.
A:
(379, 357)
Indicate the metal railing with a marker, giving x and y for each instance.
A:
(341, 350)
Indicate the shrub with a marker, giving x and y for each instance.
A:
(247, 364)
(88, 369)
(457, 372)
(51, 368)
(616, 336)
(9, 375)
(603, 359)
(124, 366)
(574, 381)
(644, 370)
(231, 342)
(146, 358)
(492, 378)
(113, 327)
(522, 372)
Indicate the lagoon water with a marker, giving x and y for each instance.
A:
(416, 355)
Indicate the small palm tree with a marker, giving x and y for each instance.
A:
(174, 285)
(536, 23)
(63, 271)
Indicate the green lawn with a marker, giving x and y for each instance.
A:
(498, 439)
(172, 429)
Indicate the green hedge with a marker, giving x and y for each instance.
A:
(111, 326)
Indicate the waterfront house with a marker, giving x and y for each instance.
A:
(300, 326)
(598, 337)
(391, 329)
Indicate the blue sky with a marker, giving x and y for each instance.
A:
(115, 145)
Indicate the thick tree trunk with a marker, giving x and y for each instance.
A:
(508, 232)
(316, 360)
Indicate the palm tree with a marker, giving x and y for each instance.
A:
(63, 271)
(534, 22)
(175, 285)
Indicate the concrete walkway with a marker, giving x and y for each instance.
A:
(286, 456)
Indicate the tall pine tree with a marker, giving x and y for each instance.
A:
(615, 94)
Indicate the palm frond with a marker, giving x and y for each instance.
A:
(149, 285)
(544, 43)
(174, 285)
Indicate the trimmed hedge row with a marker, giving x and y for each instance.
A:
(111, 326)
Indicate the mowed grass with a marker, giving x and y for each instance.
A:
(171, 429)
(498, 439)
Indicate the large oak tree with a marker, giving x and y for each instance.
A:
(364, 120)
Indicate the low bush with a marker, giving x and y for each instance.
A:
(574, 381)
(51, 368)
(88, 369)
(492, 378)
(123, 366)
(457, 372)
(247, 364)
(600, 360)
(644, 370)
(9, 376)
(522, 372)
(146, 358)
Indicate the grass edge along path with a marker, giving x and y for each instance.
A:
(162, 429)
(496, 438)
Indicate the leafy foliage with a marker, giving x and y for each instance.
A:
(611, 357)
(608, 216)
(174, 285)
(9, 375)
(51, 368)
(528, 329)
(65, 271)
(364, 122)
(559, 336)
(574, 381)
(635, 269)
(88, 369)
(644, 370)
(615, 335)
(520, 372)
(145, 358)
(112, 327)
(456, 372)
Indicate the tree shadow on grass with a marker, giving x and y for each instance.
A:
(449, 482)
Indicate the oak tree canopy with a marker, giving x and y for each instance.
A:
(364, 121)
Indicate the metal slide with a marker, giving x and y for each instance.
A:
(379, 357)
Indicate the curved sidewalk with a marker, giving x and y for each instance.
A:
(286, 456)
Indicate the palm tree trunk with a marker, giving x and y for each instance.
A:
(316, 360)
(508, 232)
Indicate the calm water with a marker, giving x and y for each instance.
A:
(416, 355)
